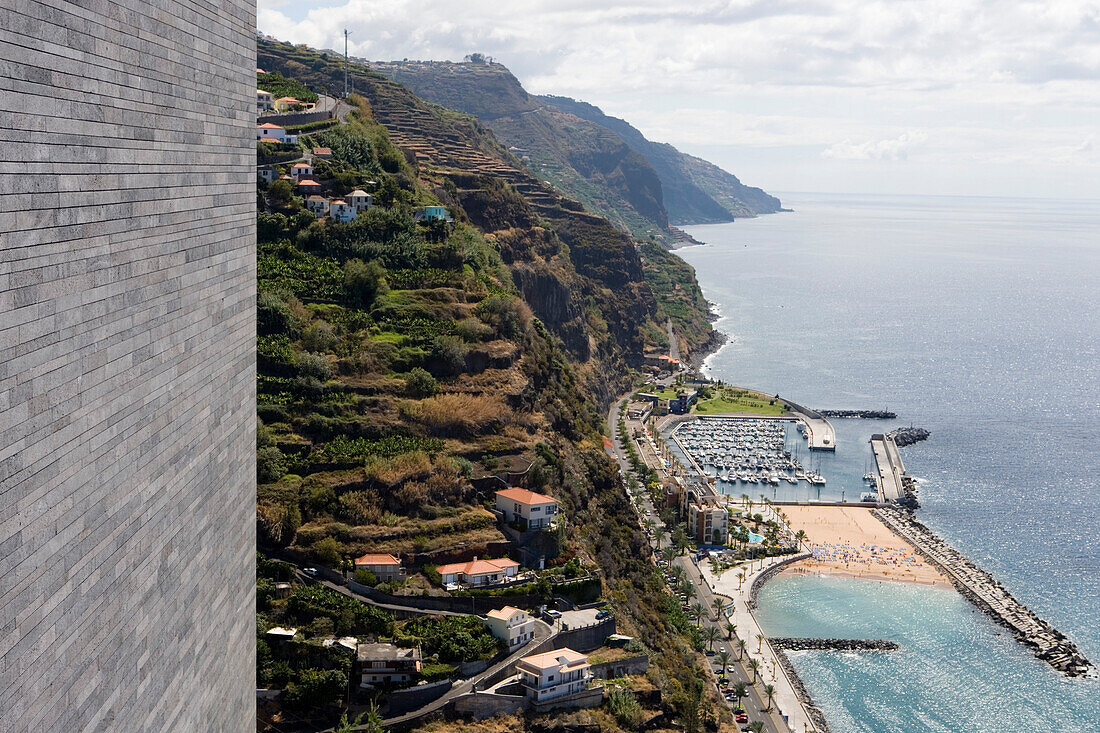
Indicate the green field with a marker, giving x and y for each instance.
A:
(740, 400)
(667, 393)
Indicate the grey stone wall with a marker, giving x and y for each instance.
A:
(127, 367)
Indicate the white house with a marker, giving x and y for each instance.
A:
(342, 212)
(527, 508)
(384, 567)
(266, 174)
(319, 206)
(268, 132)
(360, 199)
(386, 664)
(301, 170)
(554, 674)
(478, 572)
(513, 625)
(264, 101)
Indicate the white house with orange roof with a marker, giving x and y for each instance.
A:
(270, 132)
(513, 625)
(554, 674)
(308, 186)
(301, 170)
(342, 212)
(478, 572)
(360, 199)
(384, 566)
(529, 509)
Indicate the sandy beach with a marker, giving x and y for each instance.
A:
(849, 541)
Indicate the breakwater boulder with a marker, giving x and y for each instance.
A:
(839, 645)
(908, 436)
(859, 414)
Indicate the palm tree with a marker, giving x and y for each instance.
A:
(724, 660)
(753, 665)
(719, 604)
(696, 611)
(759, 642)
(687, 589)
(800, 537)
(731, 628)
(741, 644)
(769, 690)
(748, 503)
(668, 555)
(757, 726)
(711, 635)
(740, 690)
(740, 579)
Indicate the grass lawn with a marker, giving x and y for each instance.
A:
(740, 400)
(665, 393)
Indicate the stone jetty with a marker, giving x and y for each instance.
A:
(908, 436)
(835, 645)
(859, 414)
(1046, 642)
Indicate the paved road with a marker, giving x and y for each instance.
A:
(754, 704)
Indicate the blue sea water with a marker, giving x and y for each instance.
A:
(978, 319)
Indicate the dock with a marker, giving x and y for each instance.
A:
(889, 468)
(979, 587)
(820, 434)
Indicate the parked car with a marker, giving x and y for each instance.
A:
(312, 572)
(552, 614)
(603, 613)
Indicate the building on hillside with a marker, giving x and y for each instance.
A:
(342, 212)
(270, 133)
(291, 104)
(322, 153)
(360, 200)
(264, 101)
(682, 402)
(639, 410)
(307, 187)
(386, 664)
(526, 508)
(266, 174)
(300, 171)
(260, 71)
(512, 625)
(434, 213)
(318, 205)
(477, 573)
(554, 674)
(705, 513)
(384, 567)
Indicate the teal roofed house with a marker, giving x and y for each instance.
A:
(433, 213)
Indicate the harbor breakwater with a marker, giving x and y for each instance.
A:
(790, 644)
(859, 414)
(979, 587)
(908, 436)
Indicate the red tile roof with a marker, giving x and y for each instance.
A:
(377, 560)
(268, 126)
(477, 567)
(523, 496)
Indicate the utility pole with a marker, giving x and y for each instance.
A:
(345, 63)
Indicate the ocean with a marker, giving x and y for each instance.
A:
(979, 320)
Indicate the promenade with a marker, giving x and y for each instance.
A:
(889, 467)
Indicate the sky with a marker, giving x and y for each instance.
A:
(956, 97)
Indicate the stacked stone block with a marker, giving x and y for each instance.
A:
(127, 365)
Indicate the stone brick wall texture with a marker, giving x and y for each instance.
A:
(127, 365)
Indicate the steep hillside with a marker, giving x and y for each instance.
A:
(696, 192)
(408, 368)
(585, 160)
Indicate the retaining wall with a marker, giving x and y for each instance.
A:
(400, 702)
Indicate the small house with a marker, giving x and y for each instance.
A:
(360, 200)
(342, 212)
(554, 674)
(435, 213)
(264, 101)
(529, 509)
(318, 205)
(308, 186)
(386, 664)
(478, 572)
(301, 170)
(290, 104)
(512, 625)
(269, 132)
(266, 174)
(322, 153)
(384, 567)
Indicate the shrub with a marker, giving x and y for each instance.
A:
(624, 706)
(316, 688)
(419, 383)
(280, 191)
(366, 577)
(270, 464)
(502, 313)
(449, 355)
(364, 281)
(317, 366)
(462, 414)
(320, 337)
(328, 551)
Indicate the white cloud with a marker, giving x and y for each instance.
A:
(891, 149)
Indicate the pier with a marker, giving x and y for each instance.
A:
(819, 432)
(979, 587)
(889, 469)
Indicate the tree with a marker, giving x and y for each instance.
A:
(769, 690)
(741, 644)
(759, 642)
(364, 281)
(696, 611)
(328, 551)
(316, 687)
(270, 465)
(754, 666)
(800, 537)
(740, 579)
(347, 726)
(724, 660)
(280, 191)
(668, 555)
(757, 726)
(419, 383)
(731, 629)
(718, 604)
(740, 690)
(711, 635)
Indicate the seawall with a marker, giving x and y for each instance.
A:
(979, 587)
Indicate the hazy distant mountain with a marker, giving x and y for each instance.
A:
(603, 162)
(696, 191)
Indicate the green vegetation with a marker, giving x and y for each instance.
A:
(731, 399)
(280, 87)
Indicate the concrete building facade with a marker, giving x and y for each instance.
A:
(127, 365)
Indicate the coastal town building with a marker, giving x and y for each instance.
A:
(705, 513)
(322, 153)
(269, 132)
(386, 664)
(554, 674)
(266, 174)
(264, 101)
(385, 567)
(317, 204)
(342, 212)
(360, 200)
(527, 509)
(512, 625)
(477, 573)
(300, 171)
(682, 402)
(291, 104)
(308, 187)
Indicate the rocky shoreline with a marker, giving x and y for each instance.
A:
(908, 436)
(979, 587)
(815, 713)
(789, 644)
